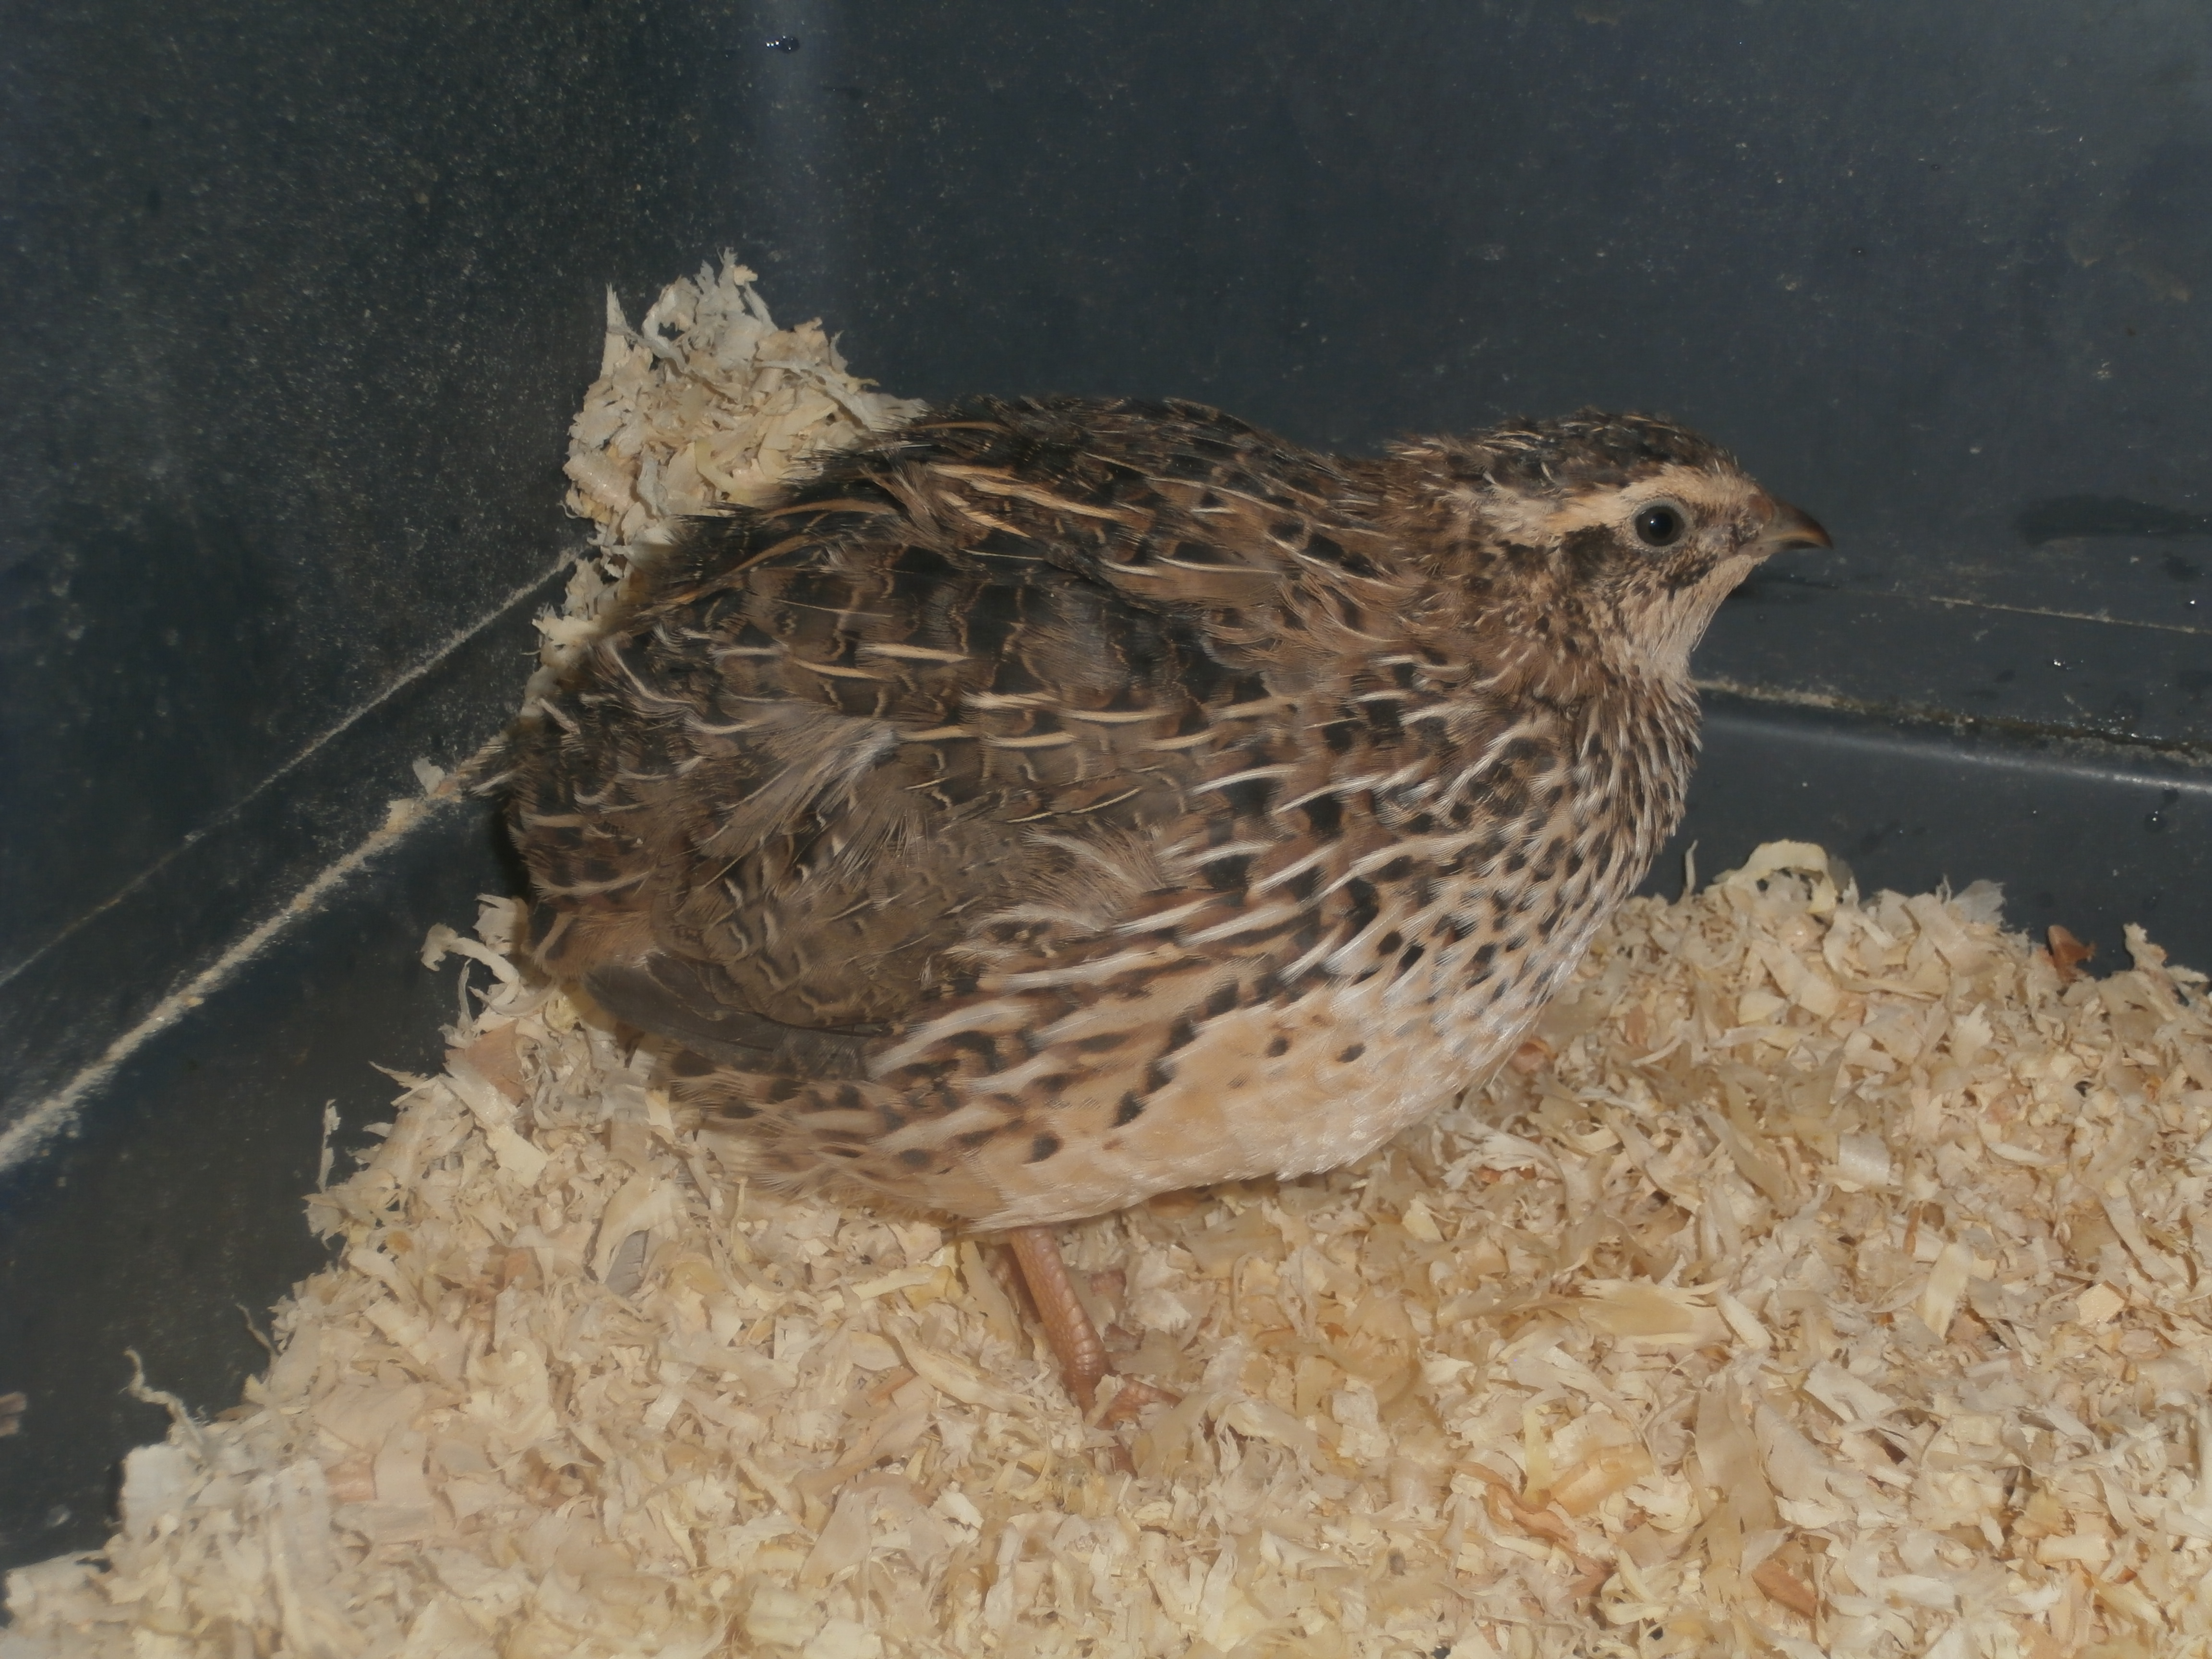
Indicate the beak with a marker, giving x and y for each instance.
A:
(1792, 527)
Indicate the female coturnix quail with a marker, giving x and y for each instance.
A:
(1061, 802)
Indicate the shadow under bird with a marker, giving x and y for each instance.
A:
(1062, 802)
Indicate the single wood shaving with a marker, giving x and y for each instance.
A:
(1831, 1283)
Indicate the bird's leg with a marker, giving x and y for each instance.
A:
(1067, 1326)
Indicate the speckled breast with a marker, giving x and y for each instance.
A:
(1214, 1048)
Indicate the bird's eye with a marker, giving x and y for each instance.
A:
(1660, 525)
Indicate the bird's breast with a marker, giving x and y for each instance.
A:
(1315, 1081)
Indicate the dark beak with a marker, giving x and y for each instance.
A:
(1792, 527)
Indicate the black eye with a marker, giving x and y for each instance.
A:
(1660, 525)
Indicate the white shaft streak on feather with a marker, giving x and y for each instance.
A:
(1346, 958)
(1159, 920)
(1252, 921)
(972, 1119)
(621, 660)
(1493, 756)
(1091, 1019)
(990, 700)
(1086, 973)
(914, 652)
(1015, 1079)
(976, 478)
(1284, 770)
(1077, 811)
(1231, 849)
(1296, 801)
(1000, 1014)
(587, 888)
(1292, 870)
(1106, 716)
(1043, 740)
(1258, 571)
(1338, 786)
(1309, 962)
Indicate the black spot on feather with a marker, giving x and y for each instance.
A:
(1251, 798)
(1229, 875)
(1359, 895)
(1324, 818)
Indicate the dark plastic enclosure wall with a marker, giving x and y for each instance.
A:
(301, 297)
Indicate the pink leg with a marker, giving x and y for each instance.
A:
(1067, 1326)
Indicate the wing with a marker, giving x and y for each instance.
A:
(983, 674)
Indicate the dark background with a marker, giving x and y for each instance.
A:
(300, 298)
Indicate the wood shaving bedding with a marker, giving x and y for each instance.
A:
(1833, 1286)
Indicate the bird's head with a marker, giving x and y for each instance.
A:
(1641, 523)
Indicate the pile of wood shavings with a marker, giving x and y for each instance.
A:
(705, 404)
(1832, 1289)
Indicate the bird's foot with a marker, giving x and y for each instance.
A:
(1131, 1397)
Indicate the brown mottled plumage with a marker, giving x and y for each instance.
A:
(1062, 802)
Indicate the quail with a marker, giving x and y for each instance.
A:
(1061, 802)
